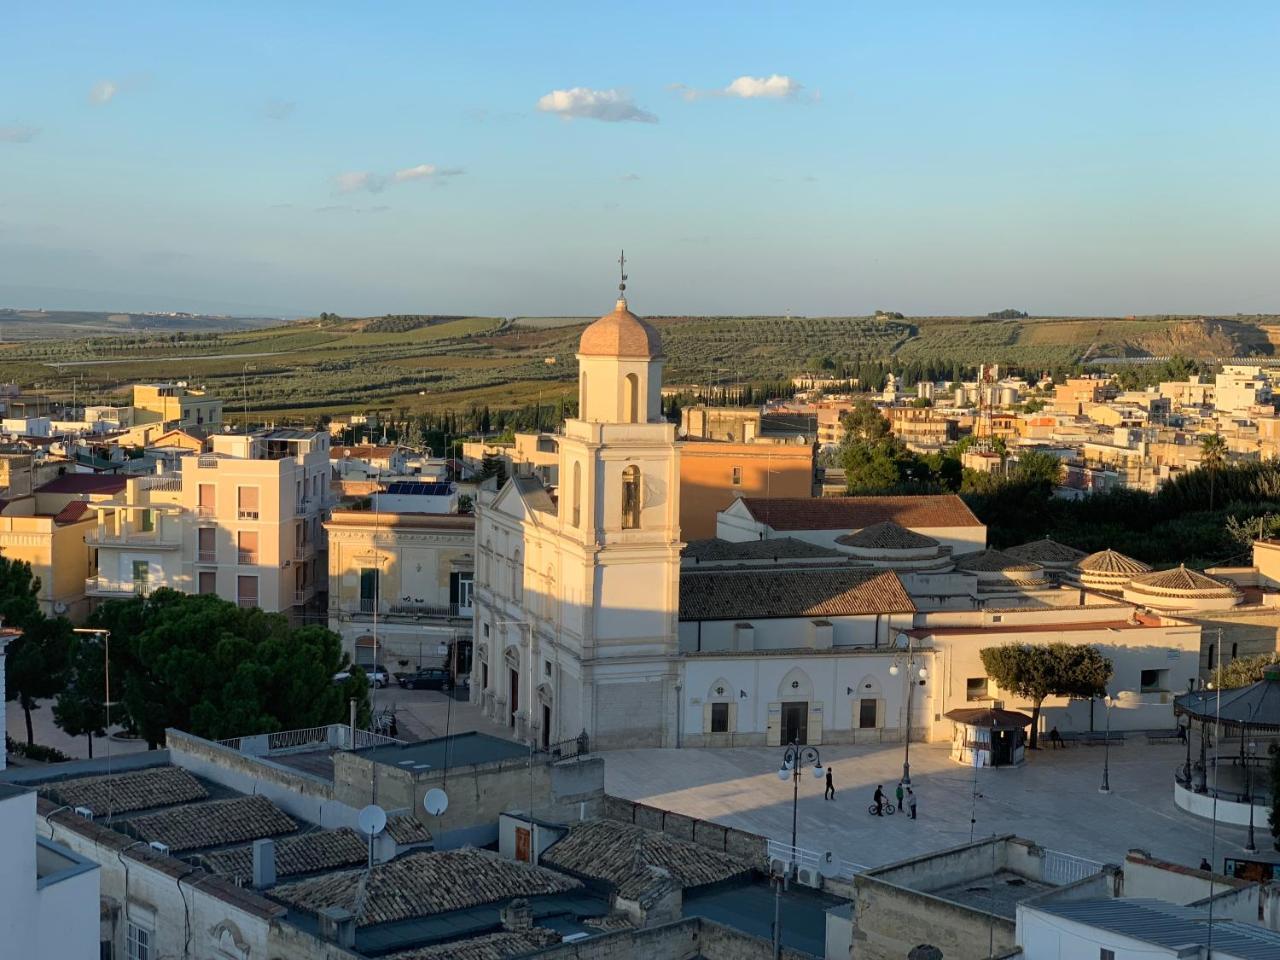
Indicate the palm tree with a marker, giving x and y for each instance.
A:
(1213, 454)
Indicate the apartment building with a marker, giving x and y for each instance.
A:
(242, 521)
(400, 587)
(176, 403)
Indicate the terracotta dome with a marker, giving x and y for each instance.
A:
(621, 334)
(1109, 570)
(1181, 589)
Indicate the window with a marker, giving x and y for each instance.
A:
(208, 581)
(546, 667)
(867, 714)
(460, 591)
(737, 476)
(146, 521)
(1153, 680)
(1234, 648)
(206, 548)
(247, 591)
(517, 578)
(631, 399)
(577, 494)
(1210, 655)
(137, 944)
(207, 500)
(368, 589)
(719, 718)
(975, 688)
(247, 546)
(247, 501)
(484, 676)
(631, 498)
(141, 576)
(1105, 954)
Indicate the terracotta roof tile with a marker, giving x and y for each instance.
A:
(995, 561)
(422, 884)
(306, 853)
(491, 946)
(1179, 581)
(84, 483)
(213, 824)
(404, 830)
(620, 334)
(780, 548)
(1046, 551)
(1111, 561)
(138, 790)
(887, 535)
(71, 513)
(855, 513)
(790, 592)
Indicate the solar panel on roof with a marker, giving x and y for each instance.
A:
(419, 489)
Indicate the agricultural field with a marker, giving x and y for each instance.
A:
(298, 371)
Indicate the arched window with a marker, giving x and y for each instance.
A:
(577, 494)
(1211, 656)
(631, 399)
(517, 577)
(631, 498)
(1234, 648)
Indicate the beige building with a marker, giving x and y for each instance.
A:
(47, 529)
(400, 587)
(242, 521)
(176, 403)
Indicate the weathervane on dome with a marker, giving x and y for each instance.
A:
(622, 270)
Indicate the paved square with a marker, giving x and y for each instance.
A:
(1053, 799)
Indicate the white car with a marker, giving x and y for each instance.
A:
(379, 675)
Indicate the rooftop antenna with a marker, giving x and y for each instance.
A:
(622, 272)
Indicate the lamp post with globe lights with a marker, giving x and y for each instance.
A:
(915, 675)
(794, 758)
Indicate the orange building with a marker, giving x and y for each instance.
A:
(714, 473)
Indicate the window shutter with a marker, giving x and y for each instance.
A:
(815, 723)
(773, 733)
(706, 718)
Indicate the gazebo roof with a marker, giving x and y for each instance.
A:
(887, 535)
(989, 717)
(995, 561)
(1256, 706)
(1181, 582)
(1046, 551)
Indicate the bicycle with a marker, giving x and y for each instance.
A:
(888, 809)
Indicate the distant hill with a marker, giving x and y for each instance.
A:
(18, 324)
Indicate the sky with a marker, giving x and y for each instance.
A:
(288, 158)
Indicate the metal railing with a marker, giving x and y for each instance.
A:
(247, 557)
(166, 481)
(206, 556)
(119, 588)
(367, 605)
(205, 511)
(207, 463)
(300, 597)
(429, 610)
(247, 603)
(133, 537)
(805, 859)
(247, 514)
(304, 550)
(1063, 868)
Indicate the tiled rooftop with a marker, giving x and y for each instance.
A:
(139, 790)
(491, 946)
(993, 561)
(792, 592)
(855, 513)
(404, 830)
(782, 548)
(84, 483)
(1046, 551)
(621, 853)
(887, 535)
(307, 853)
(422, 884)
(214, 824)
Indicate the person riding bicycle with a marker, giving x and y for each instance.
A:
(879, 799)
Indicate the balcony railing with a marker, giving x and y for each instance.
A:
(248, 603)
(207, 463)
(302, 597)
(205, 511)
(105, 586)
(404, 609)
(168, 481)
(206, 556)
(304, 551)
(247, 557)
(367, 605)
(243, 514)
(169, 540)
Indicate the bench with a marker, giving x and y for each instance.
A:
(1095, 737)
(1164, 736)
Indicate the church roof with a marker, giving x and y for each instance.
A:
(1046, 551)
(620, 334)
(779, 548)
(740, 594)
(1110, 561)
(991, 561)
(856, 513)
(1181, 582)
(887, 535)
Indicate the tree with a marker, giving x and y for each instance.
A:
(1213, 454)
(201, 664)
(870, 467)
(36, 661)
(1243, 671)
(80, 709)
(1055, 669)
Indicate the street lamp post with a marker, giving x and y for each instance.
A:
(1106, 750)
(913, 676)
(794, 759)
(1186, 770)
(1249, 846)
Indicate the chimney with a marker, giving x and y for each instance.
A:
(338, 925)
(517, 915)
(264, 864)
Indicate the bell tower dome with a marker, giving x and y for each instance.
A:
(620, 368)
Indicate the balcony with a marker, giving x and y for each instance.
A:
(248, 558)
(106, 587)
(304, 596)
(246, 514)
(247, 603)
(206, 511)
(445, 610)
(206, 556)
(304, 551)
(146, 539)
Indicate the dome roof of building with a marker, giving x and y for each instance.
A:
(1112, 562)
(621, 334)
(1046, 551)
(995, 561)
(887, 535)
(1181, 582)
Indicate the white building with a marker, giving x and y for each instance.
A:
(1238, 389)
(48, 895)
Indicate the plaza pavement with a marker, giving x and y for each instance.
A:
(1053, 800)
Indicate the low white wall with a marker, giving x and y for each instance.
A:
(1228, 811)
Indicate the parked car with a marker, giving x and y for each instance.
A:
(433, 678)
(378, 674)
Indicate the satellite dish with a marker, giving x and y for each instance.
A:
(435, 802)
(372, 820)
(828, 865)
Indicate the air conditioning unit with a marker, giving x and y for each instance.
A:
(84, 812)
(997, 704)
(809, 877)
(779, 867)
(159, 847)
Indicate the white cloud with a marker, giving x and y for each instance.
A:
(357, 180)
(103, 91)
(773, 87)
(19, 133)
(611, 106)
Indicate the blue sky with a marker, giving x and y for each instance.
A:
(752, 158)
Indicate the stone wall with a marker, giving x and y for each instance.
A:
(748, 846)
(680, 940)
(889, 921)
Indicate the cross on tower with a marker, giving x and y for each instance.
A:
(622, 270)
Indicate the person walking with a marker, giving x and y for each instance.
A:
(1055, 739)
(911, 802)
(831, 787)
(880, 798)
(898, 794)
